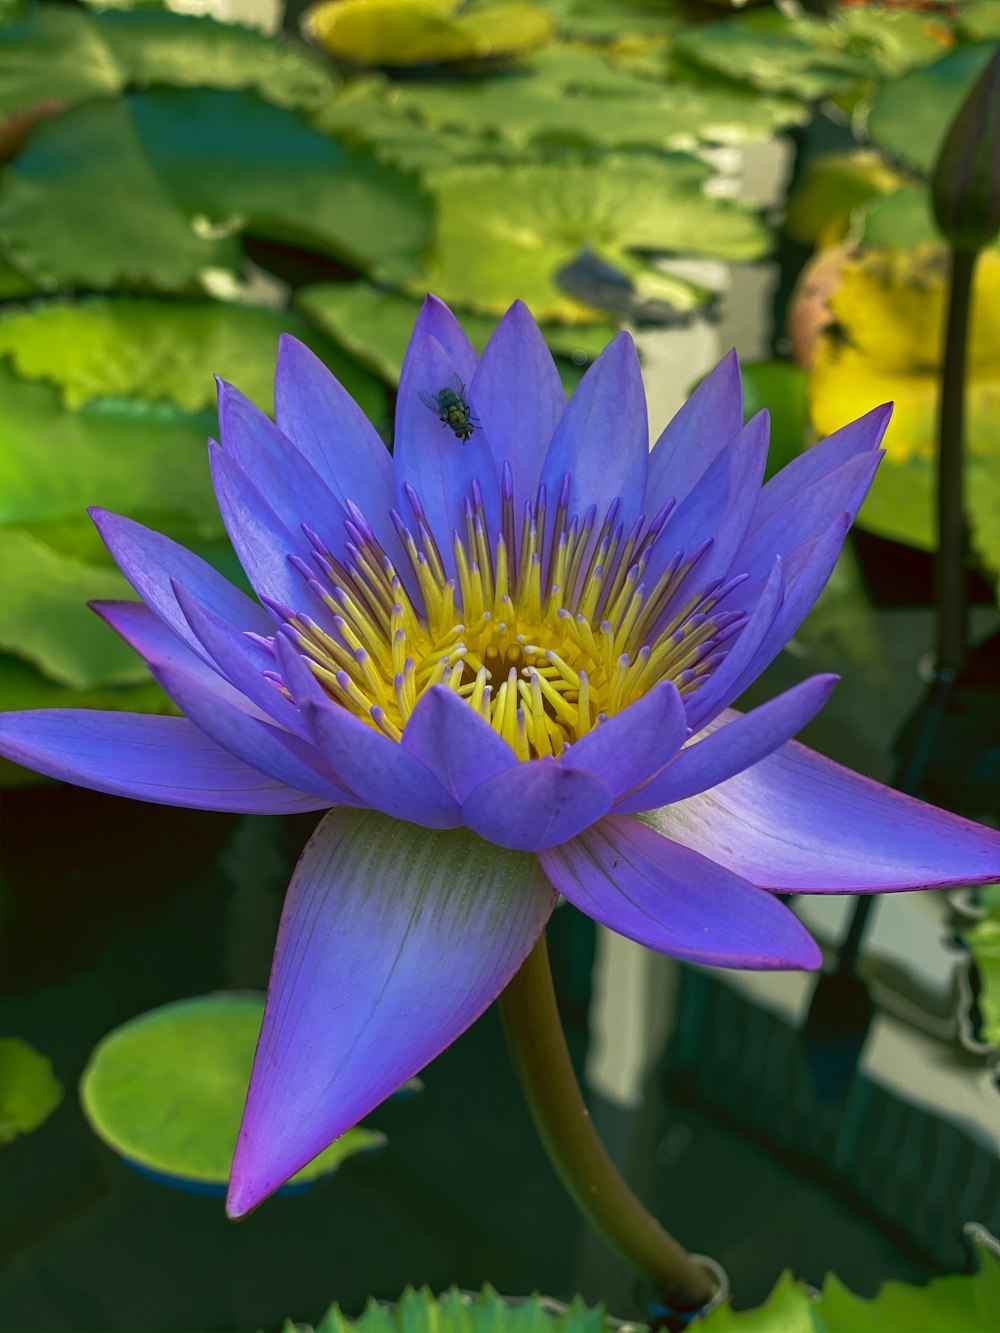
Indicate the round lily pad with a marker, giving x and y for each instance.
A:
(29, 1092)
(166, 1092)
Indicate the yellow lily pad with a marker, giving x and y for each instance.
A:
(166, 1091)
(427, 32)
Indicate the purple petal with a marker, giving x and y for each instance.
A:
(654, 891)
(326, 425)
(823, 459)
(536, 804)
(166, 760)
(450, 738)
(383, 774)
(744, 740)
(632, 745)
(437, 321)
(257, 742)
(799, 822)
(806, 514)
(150, 561)
(156, 642)
(430, 458)
(696, 435)
(719, 506)
(602, 440)
(519, 398)
(241, 660)
(295, 491)
(392, 942)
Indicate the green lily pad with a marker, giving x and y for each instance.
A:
(617, 20)
(979, 20)
(505, 232)
(394, 33)
(783, 389)
(984, 941)
(164, 351)
(166, 1091)
(69, 54)
(458, 1312)
(832, 189)
(375, 326)
(910, 116)
(574, 95)
(901, 219)
(812, 58)
(158, 186)
(29, 1091)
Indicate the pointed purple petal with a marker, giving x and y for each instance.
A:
(150, 561)
(392, 942)
(519, 398)
(654, 891)
(634, 744)
(383, 774)
(166, 760)
(602, 440)
(745, 739)
(536, 804)
(241, 660)
(450, 738)
(823, 459)
(326, 425)
(696, 435)
(430, 458)
(437, 321)
(257, 742)
(799, 822)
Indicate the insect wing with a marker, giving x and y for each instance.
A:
(431, 400)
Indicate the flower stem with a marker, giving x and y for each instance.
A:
(538, 1049)
(952, 615)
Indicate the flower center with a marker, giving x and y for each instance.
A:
(546, 635)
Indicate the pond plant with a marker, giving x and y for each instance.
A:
(502, 660)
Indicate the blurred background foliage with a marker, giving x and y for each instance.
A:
(177, 189)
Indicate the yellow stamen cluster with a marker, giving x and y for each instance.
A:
(545, 642)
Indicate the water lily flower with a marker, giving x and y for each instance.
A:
(502, 660)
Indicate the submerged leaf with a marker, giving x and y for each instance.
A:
(29, 1091)
(166, 1091)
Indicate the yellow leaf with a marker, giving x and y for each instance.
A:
(885, 342)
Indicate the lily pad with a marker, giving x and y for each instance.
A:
(832, 188)
(910, 116)
(29, 1091)
(72, 55)
(164, 351)
(159, 185)
(885, 343)
(166, 1092)
(459, 1312)
(504, 233)
(375, 326)
(24, 686)
(984, 941)
(979, 20)
(812, 58)
(394, 33)
(574, 95)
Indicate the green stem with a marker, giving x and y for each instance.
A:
(952, 614)
(538, 1050)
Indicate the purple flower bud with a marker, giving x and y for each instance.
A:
(965, 186)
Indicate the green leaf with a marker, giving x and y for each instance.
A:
(375, 326)
(572, 95)
(396, 33)
(83, 205)
(979, 20)
(831, 189)
(783, 389)
(164, 351)
(900, 219)
(24, 686)
(46, 618)
(29, 1091)
(910, 116)
(958, 1304)
(69, 54)
(788, 1309)
(505, 232)
(459, 1312)
(166, 1090)
(158, 186)
(812, 58)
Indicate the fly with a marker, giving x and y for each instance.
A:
(451, 409)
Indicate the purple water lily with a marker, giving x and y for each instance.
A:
(502, 660)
